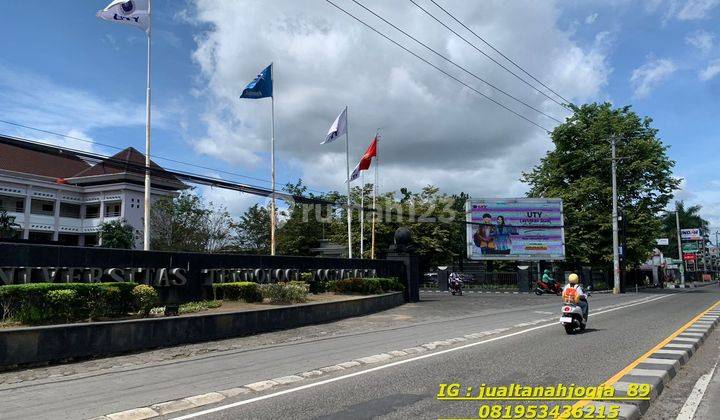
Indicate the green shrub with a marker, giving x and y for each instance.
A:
(202, 305)
(286, 292)
(64, 302)
(32, 303)
(317, 286)
(367, 286)
(146, 297)
(242, 290)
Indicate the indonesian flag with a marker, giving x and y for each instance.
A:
(130, 12)
(366, 160)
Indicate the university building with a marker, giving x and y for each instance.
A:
(56, 195)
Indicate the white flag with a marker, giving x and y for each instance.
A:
(130, 12)
(355, 173)
(338, 128)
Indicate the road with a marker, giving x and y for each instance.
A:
(620, 329)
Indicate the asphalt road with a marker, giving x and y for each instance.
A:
(542, 356)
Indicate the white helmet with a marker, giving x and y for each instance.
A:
(573, 278)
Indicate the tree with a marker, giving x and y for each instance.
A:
(300, 230)
(432, 218)
(689, 218)
(578, 171)
(186, 223)
(8, 228)
(117, 234)
(252, 232)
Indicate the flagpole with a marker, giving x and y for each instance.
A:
(347, 168)
(374, 204)
(146, 227)
(362, 213)
(272, 160)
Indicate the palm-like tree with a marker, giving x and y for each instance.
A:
(689, 218)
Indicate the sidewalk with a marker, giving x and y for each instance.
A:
(710, 405)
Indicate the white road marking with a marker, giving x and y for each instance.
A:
(687, 412)
(393, 364)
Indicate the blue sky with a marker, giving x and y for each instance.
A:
(64, 70)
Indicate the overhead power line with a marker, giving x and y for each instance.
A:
(520, 101)
(156, 157)
(486, 55)
(567, 101)
(500, 104)
(161, 173)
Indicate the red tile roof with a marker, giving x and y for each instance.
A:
(44, 160)
(14, 157)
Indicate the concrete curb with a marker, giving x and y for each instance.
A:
(28, 346)
(628, 411)
(660, 367)
(187, 403)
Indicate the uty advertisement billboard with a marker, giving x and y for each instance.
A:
(526, 229)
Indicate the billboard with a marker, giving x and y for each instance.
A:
(691, 248)
(526, 229)
(690, 235)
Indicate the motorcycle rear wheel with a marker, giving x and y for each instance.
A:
(569, 328)
(538, 292)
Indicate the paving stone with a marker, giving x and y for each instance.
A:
(234, 392)
(261, 385)
(377, 358)
(172, 406)
(311, 373)
(134, 414)
(350, 364)
(204, 399)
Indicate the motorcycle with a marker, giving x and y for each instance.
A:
(572, 317)
(542, 287)
(455, 286)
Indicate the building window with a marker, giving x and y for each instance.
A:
(92, 211)
(112, 209)
(70, 240)
(91, 240)
(71, 211)
(12, 204)
(42, 207)
(40, 237)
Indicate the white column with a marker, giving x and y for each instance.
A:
(28, 204)
(102, 216)
(56, 226)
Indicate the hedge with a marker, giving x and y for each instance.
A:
(35, 303)
(242, 290)
(367, 286)
(285, 292)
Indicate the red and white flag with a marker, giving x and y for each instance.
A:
(366, 159)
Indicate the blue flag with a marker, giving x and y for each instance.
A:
(261, 87)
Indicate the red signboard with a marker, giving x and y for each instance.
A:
(689, 257)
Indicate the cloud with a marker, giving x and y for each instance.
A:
(697, 9)
(650, 75)
(682, 10)
(702, 40)
(434, 130)
(591, 18)
(709, 72)
(40, 102)
(708, 197)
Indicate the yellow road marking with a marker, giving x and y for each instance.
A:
(616, 377)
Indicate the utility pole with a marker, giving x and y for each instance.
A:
(616, 242)
(679, 241)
